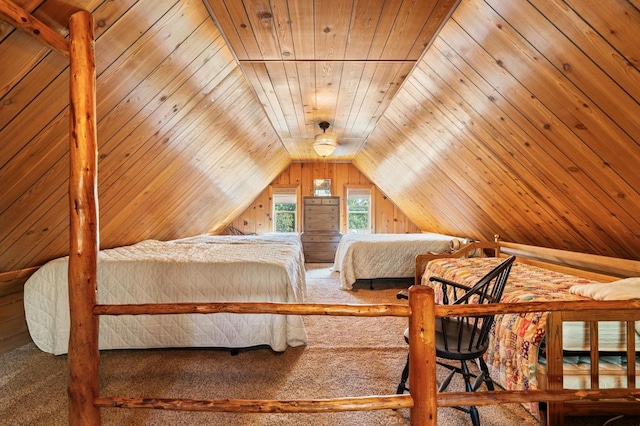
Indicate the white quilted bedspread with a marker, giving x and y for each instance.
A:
(369, 256)
(165, 272)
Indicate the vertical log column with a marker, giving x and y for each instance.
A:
(422, 356)
(83, 252)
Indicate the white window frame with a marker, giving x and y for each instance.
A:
(285, 191)
(350, 189)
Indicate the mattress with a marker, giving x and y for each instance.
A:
(370, 256)
(166, 272)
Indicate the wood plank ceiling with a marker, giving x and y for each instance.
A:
(522, 118)
(340, 61)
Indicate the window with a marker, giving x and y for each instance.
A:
(285, 209)
(359, 210)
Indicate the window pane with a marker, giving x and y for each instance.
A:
(285, 221)
(285, 210)
(358, 210)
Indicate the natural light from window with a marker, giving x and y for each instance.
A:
(358, 210)
(285, 210)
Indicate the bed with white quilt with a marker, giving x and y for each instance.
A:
(372, 256)
(200, 269)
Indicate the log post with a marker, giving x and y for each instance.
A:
(422, 356)
(84, 239)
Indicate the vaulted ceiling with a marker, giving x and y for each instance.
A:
(521, 118)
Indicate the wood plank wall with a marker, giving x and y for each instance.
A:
(388, 218)
(13, 325)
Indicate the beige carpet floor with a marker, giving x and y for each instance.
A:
(344, 357)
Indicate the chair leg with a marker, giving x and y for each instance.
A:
(403, 379)
(473, 411)
(484, 372)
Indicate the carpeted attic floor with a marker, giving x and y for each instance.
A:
(344, 357)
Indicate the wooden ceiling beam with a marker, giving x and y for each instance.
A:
(24, 21)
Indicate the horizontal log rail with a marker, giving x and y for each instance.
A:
(425, 415)
(366, 403)
(394, 310)
(364, 310)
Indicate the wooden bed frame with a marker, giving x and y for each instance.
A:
(597, 268)
(85, 401)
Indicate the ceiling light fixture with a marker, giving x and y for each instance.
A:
(324, 143)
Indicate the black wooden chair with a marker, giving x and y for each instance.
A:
(465, 339)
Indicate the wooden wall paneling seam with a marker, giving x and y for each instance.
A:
(301, 17)
(231, 17)
(277, 74)
(619, 21)
(360, 96)
(219, 89)
(365, 17)
(307, 79)
(351, 78)
(13, 319)
(439, 17)
(258, 78)
(587, 77)
(34, 80)
(160, 169)
(539, 115)
(399, 76)
(143, 56)
(379, 39)
(18, 46)
(406, 30)
(214, 100)
(62, 225)
(61, 135)
(331, 29)
(542, 163)
(586, 38)
(502, 155)
(531, 115)
(182, 67)
(293, 77)
(328, 76)
(422, 221)
(382, 88)
(454, 210)
(34, 205)
(455, 156)
(223, 163)
(13, 329)
(261, 18)
(39, 159)
(584, 119)
(447, 208)
(125, 24)
(282, 28)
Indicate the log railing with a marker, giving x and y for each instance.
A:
(423, 399)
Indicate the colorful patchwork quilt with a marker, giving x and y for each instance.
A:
(516, 339)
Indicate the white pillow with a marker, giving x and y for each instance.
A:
(626, 289)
